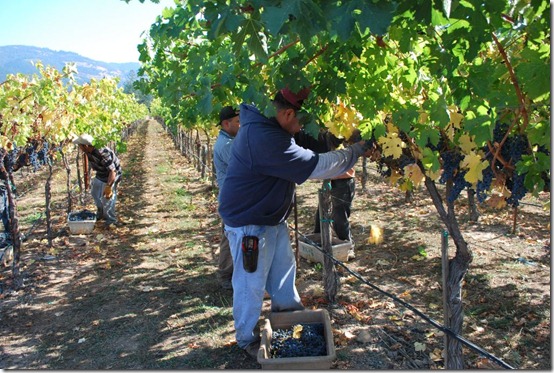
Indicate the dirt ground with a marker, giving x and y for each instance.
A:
(146, 296)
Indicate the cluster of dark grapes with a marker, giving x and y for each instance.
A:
(84, 215)
(440, 145)
(450, 165)
(515, 185)
(514, 147)
(310, 343)
(459, 183)
(484, 185)
(11, 159)
(43, 153)
(451, 171)
(35, 154)
(512, 150)
(394, 164)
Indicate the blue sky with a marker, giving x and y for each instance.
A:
(104, 30)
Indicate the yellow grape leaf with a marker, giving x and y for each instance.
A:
(88, 92)
(420, 346)
(332, 127)
(394, 176)
(347, 129)
(406, 295)
(416, 152)
(423, 117)
(433, 175)
(392, 145)
(297, 331)
(47, 116)
(455, 117)
(496, 201)
(475, 167)
(467, 144)
(391, 128)
(375, 235)
(413, 172)
(382, 115)
(436, 355)
(4, 141)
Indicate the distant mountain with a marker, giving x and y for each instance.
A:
(17, 59)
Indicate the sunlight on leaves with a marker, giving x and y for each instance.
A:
(475, 167)
(392, 145)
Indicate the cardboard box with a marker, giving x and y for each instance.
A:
(308, 251)
(80, 226)
(285, 320)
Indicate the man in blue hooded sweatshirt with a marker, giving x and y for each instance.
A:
(255, 201)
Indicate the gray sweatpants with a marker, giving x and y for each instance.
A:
(105, 207)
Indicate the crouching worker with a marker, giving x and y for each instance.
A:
(108, 174)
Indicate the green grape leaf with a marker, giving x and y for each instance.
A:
(533, 76)
(431, 160)
(205, 104)
(274, 18)
(312, 128)
(250, 32)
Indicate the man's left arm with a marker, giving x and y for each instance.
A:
(111, 177)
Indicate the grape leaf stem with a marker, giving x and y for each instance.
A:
(496, 156)
(513, 78)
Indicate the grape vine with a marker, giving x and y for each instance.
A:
(424, 81)
(42, 113)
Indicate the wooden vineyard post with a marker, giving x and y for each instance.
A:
(364, 174)
(197, 153)
(16, 237)
(48, 197)
(68, 181)
(445, 295)
(204, 160)
(330, 278)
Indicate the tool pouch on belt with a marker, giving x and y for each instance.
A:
(250, 253)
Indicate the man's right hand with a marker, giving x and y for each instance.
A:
(355, 137)
(108, 193)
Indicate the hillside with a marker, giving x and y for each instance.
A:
(18, 59)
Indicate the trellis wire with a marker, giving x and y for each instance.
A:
(412, 308)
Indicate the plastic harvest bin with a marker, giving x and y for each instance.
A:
(80, 226)
(313, 254)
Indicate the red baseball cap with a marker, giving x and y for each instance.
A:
(295, 99)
